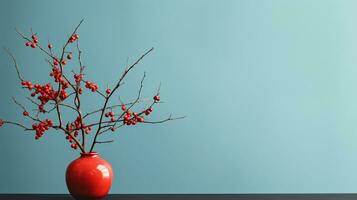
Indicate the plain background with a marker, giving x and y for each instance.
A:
(269, 88)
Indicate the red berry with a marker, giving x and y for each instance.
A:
(55, 63)
(123, 108)
(34, 37)
(140, 119)
(126, 117)
(69, 56)
(128, 122)
(75, 133)
(50, 46)
(1, 122)
(25, 113)
(106, 115)
(78, 77)
(80, 90)
(157, 98)
(33, 45)
(73, 145)
(76, 36)
(64, 62)
(108, 91)
(113, 119)
(27, 44)
(113, 129)
(68, 137)
(35, 41)
(150, 109)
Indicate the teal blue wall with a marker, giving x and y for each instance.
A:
(269, 88)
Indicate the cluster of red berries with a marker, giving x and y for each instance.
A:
(131, 118)
(71, 141)
(34, 42)
(64, 84)
(42, 127)
(74, 146)
(111, 115)
(69, 138)
(91, 86)
(27, 84)
(80, 90)
(56, 61)
(46, 93)
(56, 74)
(148, 111)
(63, 94)
(78, 124)
(1, 122)
(78, 78)
(73, 38)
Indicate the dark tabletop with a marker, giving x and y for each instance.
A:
(189, 197)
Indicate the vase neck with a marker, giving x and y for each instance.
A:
(89, 154)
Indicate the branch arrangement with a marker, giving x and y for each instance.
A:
(66, 92)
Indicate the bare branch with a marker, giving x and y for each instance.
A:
(32, 101)
(110, 128)
(103, 142)
(17, 103)
(65, 105)
(15, 64)
(17, 124)
(129, 68)
(164, 120)
(24, 109)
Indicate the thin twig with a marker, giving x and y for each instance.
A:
(103, 142)
(164, 120)
(15, 64)
(18, 124)
(25, 110)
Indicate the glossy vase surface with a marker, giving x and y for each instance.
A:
(89, 177)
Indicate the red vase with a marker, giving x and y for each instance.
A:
(89, 177)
